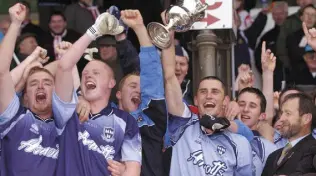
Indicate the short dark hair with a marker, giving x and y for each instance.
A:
(303, 9)
(306, 105)
(263, 101)
(288, 89)
(136, 73)
(57, 13)
(214, 78)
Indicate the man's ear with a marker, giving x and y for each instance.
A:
(112, 83)
(195, 100)
(119, 95)
(263, 116)
(307, 118)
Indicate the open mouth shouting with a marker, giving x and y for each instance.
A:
(209, 105)
(90, 85)
(136, 100)
(40, 97)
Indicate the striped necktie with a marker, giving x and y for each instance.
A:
(285, 150)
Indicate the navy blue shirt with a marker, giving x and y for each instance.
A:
(30, 145)
(111, 134)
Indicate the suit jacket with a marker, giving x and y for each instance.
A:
(298, 161)
(48, 42)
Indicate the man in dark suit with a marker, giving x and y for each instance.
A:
(296, 158)
(58, 32)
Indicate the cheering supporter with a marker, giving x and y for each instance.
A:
(28, 135)
(83, 151)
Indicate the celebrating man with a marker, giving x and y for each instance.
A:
(109, 134)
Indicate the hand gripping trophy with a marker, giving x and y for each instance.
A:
(179, 17)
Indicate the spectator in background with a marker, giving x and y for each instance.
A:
(27, 25)
(58, 32)
(81, 15)
(306, 74)
(25, 45)
(279, 14)
(297, 116)
(182, 66)
(4, 25)
(245, 18)
(291, 24)
(296, 43)
(246, 40)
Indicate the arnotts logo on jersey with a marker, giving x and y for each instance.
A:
(216, 169)
(34, 146)
(221, 149)
(108, 134)
(34, 128)
(107, 151)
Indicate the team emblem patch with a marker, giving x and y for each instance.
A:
(108, 134)
(221, 149)
(139, 119)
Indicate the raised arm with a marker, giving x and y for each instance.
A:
(64, 80)
(173, 90)
(17, 14)
(17, 74)
(268, 65)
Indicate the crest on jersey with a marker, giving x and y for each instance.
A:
(34, 128)
(108, 134)
(221, 149)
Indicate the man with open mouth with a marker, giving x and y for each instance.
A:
(198, 147)
(30, 141)
(252, 105)
(110, 135)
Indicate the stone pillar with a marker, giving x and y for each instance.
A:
(212, 56)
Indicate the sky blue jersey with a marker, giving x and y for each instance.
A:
(261, 149)
(195, 153)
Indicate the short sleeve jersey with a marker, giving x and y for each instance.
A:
(111, 134)
(195, 153)
(30, 145)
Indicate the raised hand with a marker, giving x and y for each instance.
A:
(163, 17)
(62, 48)
(132, 18)
(17, 13)
(276, 96)
(39, 55)
(310, 36)
(105, 24)
(232, 111)
(268, 59)
(83, 109)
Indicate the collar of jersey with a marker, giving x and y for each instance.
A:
(256, 133)
(43, 120)
(108, 110)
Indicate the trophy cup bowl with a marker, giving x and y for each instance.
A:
(179, 18)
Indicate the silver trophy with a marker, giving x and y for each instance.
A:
(179, 17)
